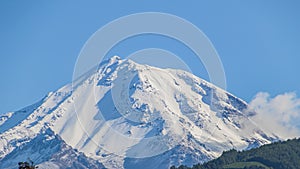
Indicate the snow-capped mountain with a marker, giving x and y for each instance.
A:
(127, 115)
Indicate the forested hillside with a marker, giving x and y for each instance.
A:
(279, 155)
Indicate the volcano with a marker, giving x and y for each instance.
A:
(126, 115)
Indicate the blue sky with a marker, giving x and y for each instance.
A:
(257, 41)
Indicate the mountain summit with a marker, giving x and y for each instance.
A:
(127, 115)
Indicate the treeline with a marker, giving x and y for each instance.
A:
(279, 155)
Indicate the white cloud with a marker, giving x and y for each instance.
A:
(279, 115)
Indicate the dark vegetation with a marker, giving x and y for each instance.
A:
(279, 155)
(27, 165)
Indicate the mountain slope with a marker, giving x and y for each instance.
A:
(127, 115)
(49, 151)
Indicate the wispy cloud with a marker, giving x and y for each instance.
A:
(279, 115)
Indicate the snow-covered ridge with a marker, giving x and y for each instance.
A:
(127, 115)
